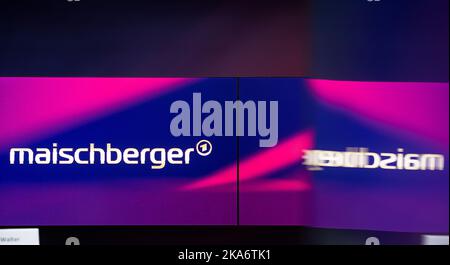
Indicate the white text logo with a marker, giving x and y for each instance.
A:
(362, 158)
(156, 157)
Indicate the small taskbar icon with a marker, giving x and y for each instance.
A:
(72, 241)
(372, 241)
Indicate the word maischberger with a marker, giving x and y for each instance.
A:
(212, 125)
(362, 158)
(156, 157)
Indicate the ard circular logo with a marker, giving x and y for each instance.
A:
(204, 147)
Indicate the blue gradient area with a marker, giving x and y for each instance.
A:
(146, 125)
(295, 106)
(379, 199)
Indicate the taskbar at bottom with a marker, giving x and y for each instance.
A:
(209, 235)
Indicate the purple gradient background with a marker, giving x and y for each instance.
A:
(275, 188)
